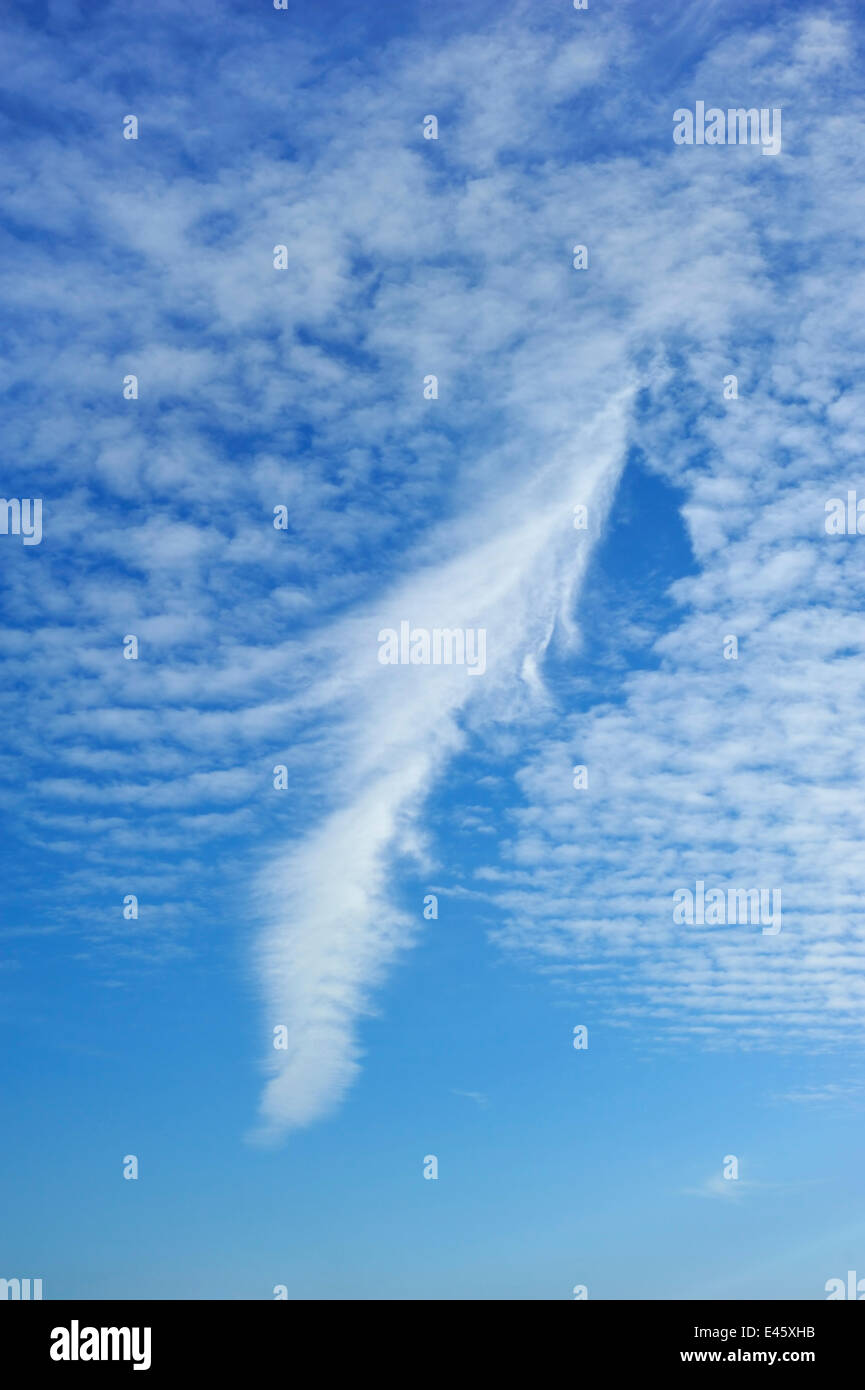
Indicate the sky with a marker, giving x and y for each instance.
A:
(278, 805)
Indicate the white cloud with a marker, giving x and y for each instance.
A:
(304, 388)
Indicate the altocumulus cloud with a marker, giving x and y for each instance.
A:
(304, 389)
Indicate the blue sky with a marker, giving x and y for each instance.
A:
(302, 908)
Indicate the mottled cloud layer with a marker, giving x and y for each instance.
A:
(303, 388)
